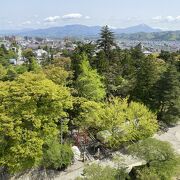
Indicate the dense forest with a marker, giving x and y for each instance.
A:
(95, 88)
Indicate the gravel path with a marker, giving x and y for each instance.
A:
(72, 172)
(172, 136)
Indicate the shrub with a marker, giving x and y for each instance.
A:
(57, 156)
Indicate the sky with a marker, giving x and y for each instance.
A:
(20, 14)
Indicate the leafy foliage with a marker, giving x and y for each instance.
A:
(89, 83)
(57, 156)
(29, 112)
(160, 157)
(98, 172)
(166, 96)
(57, 74)
(124, 121)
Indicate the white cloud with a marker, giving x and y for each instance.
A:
(26, 23)
(38, 22)
(10, 22)
(166, 18)
(36, 16)
(112, 27)
(52, 19)
(157, 18)
(178, 18)
(72, 16)
(170, 18)
(87, 17)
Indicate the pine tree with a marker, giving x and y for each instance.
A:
(106, 42)
(146, 76)
(166, 96)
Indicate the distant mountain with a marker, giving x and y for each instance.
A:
(14, 32)
(65, 31)
(136, 29)
(158, 36)
(139, 32)
(77, 31)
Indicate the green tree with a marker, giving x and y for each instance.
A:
(28, 54)
(98, 172)
(56, 155)
(57, 74)
(124, 122)
(88, 49)
(160, 157)
(166, 96)
(32, 65)
(62, 62)
(11, 74)
(147, 75)
(106, 41)
(31, 62)
(30, 109)
(136, 52)
(3, 72)
(5, 55)
(89, 82)
(166, 56)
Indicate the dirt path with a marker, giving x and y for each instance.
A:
(72, 172)
(172, 136)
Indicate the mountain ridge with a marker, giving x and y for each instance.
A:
(78, 30)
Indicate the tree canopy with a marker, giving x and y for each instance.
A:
(89, 82)
(31, 107)
(125, 122)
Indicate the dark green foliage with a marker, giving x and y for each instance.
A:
(147, 74)
(106, 41)
(5, 55)
(161, 159)
(11, 74)
(165, 55)
(136, 52)
(31, 62)
(32, 65)
(28, 54)
(77, 56)
(166, 96)
(56, 155)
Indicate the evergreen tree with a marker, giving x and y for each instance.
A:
(147, 75)
(106, 42)
(89, 82)
(166, 96)
(136, 52)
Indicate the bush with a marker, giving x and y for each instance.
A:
(97, 172)
(57, 156)
(162, 161)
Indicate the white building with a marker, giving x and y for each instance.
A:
(40, 54)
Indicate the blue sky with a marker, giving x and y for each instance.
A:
(18, 14)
